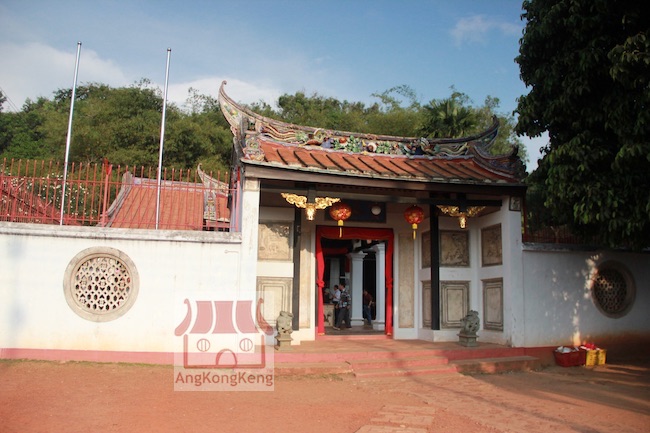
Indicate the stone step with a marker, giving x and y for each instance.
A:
(497, 365)
(399, 362)
(405, 371)
(311, 368)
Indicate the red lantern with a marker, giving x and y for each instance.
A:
(414, 215)
(340, 212)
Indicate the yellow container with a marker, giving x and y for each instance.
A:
(595, 357)
(592, 358)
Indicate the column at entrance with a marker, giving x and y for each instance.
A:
(379, 323)
(335, 272)
(356, 287)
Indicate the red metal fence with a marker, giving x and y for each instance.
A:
(114, 196)
(130, 197)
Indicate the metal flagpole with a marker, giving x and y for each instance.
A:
(162, 137)
(69, 137)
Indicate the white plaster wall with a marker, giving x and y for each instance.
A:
(171, 266)
(513, 278)
(558, 305)
(510, 271)
(546, 295)
(395, 221)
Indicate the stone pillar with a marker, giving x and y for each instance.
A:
(356, 287)
(379, 323)
(406, 287)
(249, 232)
(335, 272)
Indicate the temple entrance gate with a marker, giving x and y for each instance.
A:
(383, 273)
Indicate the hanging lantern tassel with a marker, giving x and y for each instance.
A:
(414, 215)
(340, 212)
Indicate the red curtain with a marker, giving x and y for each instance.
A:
(354, 233)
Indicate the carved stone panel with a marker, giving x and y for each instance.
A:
(426, 304)
(491, 249)
(406, 281)
(493, 304)
(276, 293)
(454, 248)
(275, 241)
(454, 304)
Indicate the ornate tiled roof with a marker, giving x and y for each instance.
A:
(272, 143)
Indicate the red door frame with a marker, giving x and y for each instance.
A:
(329, 232)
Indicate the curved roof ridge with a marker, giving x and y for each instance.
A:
(241, 118)
(260, 139)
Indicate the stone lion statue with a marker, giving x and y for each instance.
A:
(283, 324)
(470, 323)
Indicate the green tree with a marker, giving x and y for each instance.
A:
(456, 117)
(587, 64)
(393, 117)
(22, 133)
(122, 125)
(507, 137)
(449, 117)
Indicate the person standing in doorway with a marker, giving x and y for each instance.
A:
(335, 296)
(344, 308)
(367, 307)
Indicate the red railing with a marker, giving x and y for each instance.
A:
(114, 196)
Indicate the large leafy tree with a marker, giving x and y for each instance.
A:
(587, 65)
(119, 124)
(399, 113)
(22, 133)
(456, 116)
(449, 117)
(316, 110)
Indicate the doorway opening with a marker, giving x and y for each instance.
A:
(361, 259)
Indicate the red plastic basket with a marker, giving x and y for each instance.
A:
(570, 359)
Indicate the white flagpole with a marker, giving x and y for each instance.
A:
(162, 137)
(69, 137)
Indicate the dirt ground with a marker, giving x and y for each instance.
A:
(85, 397)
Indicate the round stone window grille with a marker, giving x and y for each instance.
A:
(613, 289)
(101, 284)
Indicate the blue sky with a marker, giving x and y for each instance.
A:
(344, 49)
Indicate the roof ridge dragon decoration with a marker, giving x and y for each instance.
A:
(247, 126)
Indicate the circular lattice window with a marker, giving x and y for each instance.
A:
(101, 284)
(613, 289)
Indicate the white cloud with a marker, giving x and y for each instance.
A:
(33, 70)
(475, 29)
(238, 90)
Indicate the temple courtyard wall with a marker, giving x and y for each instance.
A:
(38, 321)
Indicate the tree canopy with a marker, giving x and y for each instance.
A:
(587, 65)
(121, 125)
